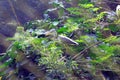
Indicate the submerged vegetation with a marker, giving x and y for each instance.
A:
(36, 54)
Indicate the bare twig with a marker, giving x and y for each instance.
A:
(74, 57)
(13, 10)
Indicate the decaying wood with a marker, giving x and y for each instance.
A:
(11, 75)
(29, 65)
(3, 41)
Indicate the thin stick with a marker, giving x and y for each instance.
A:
(74, 57)
(13, 10)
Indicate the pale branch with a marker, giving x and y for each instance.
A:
(80, 53)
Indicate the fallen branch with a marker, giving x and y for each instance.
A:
(74, 57)
(29, 65)
(10, 72)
